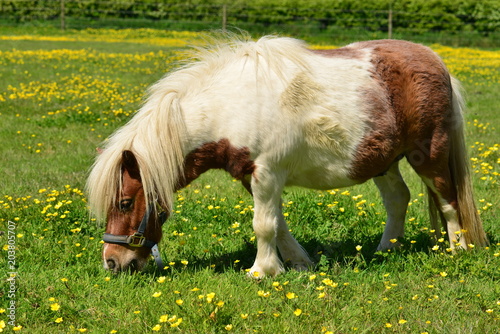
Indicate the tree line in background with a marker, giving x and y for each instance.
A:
(482, 16)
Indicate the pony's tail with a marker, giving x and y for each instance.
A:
(468, 216)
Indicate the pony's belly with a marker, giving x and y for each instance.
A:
(321, 179)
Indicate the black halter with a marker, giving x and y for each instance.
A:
(138, 239)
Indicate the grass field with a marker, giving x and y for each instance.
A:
(63, 93)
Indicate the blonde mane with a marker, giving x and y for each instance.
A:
(156, 133)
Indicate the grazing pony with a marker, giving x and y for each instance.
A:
(274, 113)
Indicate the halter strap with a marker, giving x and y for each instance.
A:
(138, 239)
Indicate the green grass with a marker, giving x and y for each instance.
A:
(58, 105)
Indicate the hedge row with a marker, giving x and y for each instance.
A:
(420, 15)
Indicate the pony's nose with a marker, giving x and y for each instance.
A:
(111, 264)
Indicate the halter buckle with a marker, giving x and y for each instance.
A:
(136, 240)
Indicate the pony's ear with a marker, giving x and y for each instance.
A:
(130, 164)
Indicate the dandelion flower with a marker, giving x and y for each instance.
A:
(263, 293)
(388, 325)
(402, 321)
(17, 328)
(443, 274)
(157, 294)
(210, 297)
(164, 318)
(161, 279)
(228, 327)
(179, 302)
(156, 328)
(244, 315)
(177, 323)
(358, 248)
(55, 307)
(58, 320)
(291, 295)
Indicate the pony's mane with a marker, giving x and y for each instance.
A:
(156, 133)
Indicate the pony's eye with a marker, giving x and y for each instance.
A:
(125, 204)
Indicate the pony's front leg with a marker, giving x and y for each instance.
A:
(291, 251)
(266, 189)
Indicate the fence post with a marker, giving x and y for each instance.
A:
(224, 17)
(389, 19)
(63, 23)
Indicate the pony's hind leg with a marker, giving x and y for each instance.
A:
(445, 200)
(395, 196)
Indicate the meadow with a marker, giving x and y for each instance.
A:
(63, 93)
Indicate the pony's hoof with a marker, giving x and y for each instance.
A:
(260, 273)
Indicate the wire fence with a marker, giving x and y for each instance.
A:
(385, 22)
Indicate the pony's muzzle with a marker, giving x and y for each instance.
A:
(117, 258)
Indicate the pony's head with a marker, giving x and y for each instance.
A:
(132, 227)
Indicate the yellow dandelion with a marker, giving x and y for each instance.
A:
(402, 321)
(179, 302)
(263, 293)
(177, 323)
(161, 279)
(358, 248)
(388, 325)
(82, 330)
(156, 328)
(244, 316)
(297, 312)
(228, 327)
(291, 295)
(58, 320)
(55, 307)
(157, 294)
(17, 328)
(164, 318)
(443, 274)
(210, 297)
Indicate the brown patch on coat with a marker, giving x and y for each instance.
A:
(410, 112)
(218, 155)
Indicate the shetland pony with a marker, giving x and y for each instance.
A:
(274, 113)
